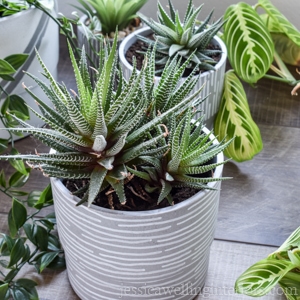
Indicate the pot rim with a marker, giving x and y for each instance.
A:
(140, 31)
(156, 212)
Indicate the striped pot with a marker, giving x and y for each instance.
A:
(214, 80)
(22, 33)
(158, 254)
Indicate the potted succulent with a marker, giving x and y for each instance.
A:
(181, 39)
(259, 45)
(102, 17)
(22, 29)
(146, 177)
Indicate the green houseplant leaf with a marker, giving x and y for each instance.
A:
(280, 21)
(234, 120)
(260, 278)
(250, 46)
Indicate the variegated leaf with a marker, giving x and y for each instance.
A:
(234, 120)
(261, 277)
(292, 241)
(281, 21)
(249, 44)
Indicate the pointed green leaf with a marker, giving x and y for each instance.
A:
(17, 252)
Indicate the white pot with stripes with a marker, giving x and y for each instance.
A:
(24, 32)
(157, 254)
(214, 80)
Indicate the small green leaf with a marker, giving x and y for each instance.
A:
(3, 145)
(13, 230)
(45, 197)
(17, 252)
(18, 105)
(18, 164)
(11, 275)
(18, 179)
(33, 198)
(3, 290)
(29, 229)
(4, 106)
(26, 283)
(46, 259)
(19, 293)
(40, 234)
(16, 60)
(58, 262)
(6, 68)
(2, 179)
(19, 213)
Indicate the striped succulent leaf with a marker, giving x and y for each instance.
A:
(234, 120)
(249, 43)
(182, 38)
(189, 161)
(104, 129)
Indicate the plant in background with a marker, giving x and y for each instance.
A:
(98, 133)
(107, 15)
(183, 39)
(31, 239)
(255, 47)
(8, 8)
(280, 267)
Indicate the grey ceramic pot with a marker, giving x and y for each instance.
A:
(214, 80)
(157, 254)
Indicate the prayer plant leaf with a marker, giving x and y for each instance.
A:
(280, 21)
(261, 277)
(249, 43)
(234, 120)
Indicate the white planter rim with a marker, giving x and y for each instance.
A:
(156, 212)
(140, 31)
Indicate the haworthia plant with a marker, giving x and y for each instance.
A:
(183, 39)
(281, 267)
(99, 132)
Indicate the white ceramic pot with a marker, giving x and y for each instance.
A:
(214, 80)
(22, 33)
(156, 254)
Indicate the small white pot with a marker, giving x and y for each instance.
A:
(214, 80)
(22, 33)
(156, 254)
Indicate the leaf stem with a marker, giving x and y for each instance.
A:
(293, 276)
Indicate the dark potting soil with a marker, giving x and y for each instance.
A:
(134, 51)
(137, 198)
